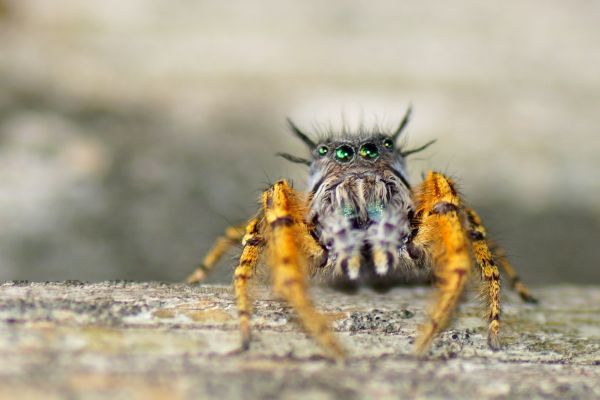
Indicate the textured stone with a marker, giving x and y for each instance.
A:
(155, 340)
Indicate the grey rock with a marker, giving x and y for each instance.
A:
(151, 340)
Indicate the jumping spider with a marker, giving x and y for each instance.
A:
(361, 222)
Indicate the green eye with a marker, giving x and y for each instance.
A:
(388, 143)
(322, 150)
(344, 153)
(368, 151)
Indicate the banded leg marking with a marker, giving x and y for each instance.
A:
(442, 231)
(231, 237)
(289, 265)
(515, 282)
(489, 274)
(253, 245)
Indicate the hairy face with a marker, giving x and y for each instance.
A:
(349, 154)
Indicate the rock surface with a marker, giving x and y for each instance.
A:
(154, 340)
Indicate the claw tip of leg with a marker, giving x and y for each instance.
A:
(530, 299)
(196, 277)
(421, 347)
(245, 345)
(493, 343)
(337, 354)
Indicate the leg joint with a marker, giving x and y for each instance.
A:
(444, 207)
(285, 220)
(476, 235)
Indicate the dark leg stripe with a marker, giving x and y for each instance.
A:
(254, 229)
(255, 241)
(290, 282)
(460, 272)
(241, 277)
(282, 221)
(476, 235)
(203, 267)
(443, 207)
(489, 261)
(471, 218)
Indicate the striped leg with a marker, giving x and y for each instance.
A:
(513, 277)
(489, 273)
(442, 232)
(281, 208)
(253, 244)
(232, 236)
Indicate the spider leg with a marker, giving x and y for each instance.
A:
(231, 237)
(513, 277)
(282, 208)
(489, 273)
(253, 245)
(442, 232)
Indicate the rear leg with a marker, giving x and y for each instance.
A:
(230, 238)
(513, 277)
(499, 257)
(489, 274)
(253, 245)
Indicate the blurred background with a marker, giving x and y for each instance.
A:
(132, 132)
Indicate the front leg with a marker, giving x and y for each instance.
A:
(442, 234)
(287, 235)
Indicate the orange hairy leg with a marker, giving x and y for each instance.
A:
(253, 245)
(232, 236)
(489, 273)
(441, 232)
(513, 277)
(284, 215)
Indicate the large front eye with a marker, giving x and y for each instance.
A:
(368, 151)
(344, 153)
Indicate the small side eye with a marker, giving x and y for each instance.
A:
(388, 143)
(344, 153)
(322, 150)
(368, 151)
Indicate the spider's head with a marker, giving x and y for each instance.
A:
(358, 152)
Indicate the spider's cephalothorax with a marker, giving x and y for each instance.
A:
(361, 207)
(361, 222)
